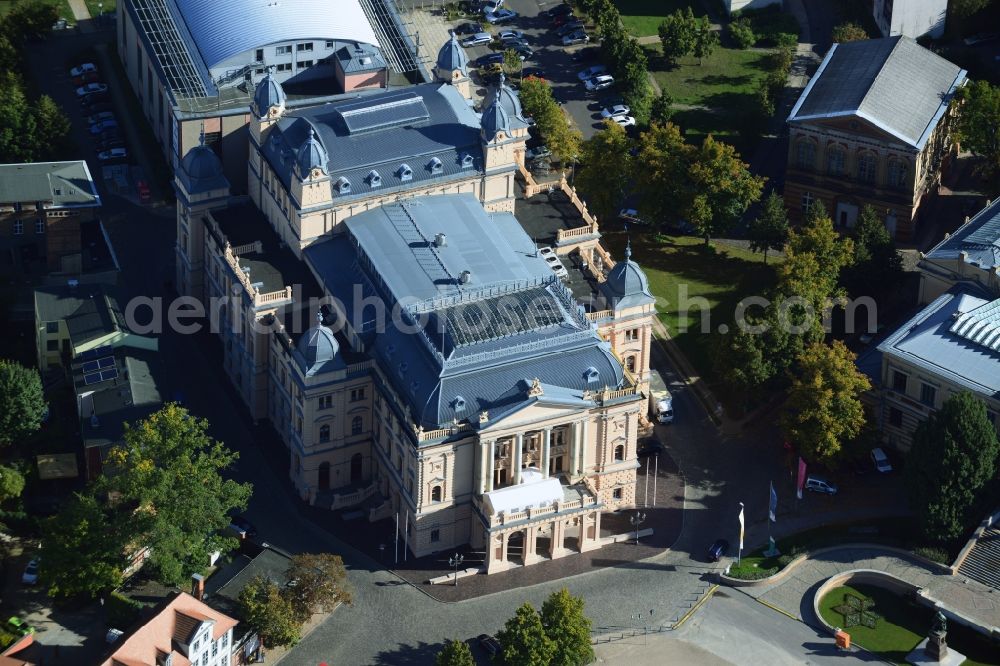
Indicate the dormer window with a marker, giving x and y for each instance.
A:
(343, 185)
(405, 172)
(466, 159)
(374, 179)
(403, 367)
(414, 387)
(458, 403)
(591, 375)
(435, 166)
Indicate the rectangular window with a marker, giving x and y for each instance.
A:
(807, 200)
(895, 417)
(307, 46)
(806, 154)
(435, 536)
(835, 161)
(329, 43)
(52, 345)
(632, 335)
(302, 64)
(927, 394)
(283, 67)
(39, 226)
(283, 50)
(215, 648)
(18, 227)
(616, 493)
(259, 55)
(866, 168)
(357, 394)
(51, 327)
(899, 381)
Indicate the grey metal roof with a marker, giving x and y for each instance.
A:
(89, 311)
(201, 171)
(452, 56)
(59, 184)
(626, 285)
(894, 83)
(495, 118)
(979, 238)
(479, 341)
(383, 132)
(360, 58)
(224, 28)
(981, 326)
(268, 93)
(929, 342)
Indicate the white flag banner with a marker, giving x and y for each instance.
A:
(741, 525)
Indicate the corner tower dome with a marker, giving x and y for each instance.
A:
(201, 170)
(509, 99)
(626, 285)
(269, 94)
(495, 119)
(452, 57)
(311, 155)
(318, 348)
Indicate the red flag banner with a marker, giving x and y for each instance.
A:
(802, 478)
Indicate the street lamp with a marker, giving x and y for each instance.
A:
(455, 560)
(572, 173)
(637, 519)
(100, 12)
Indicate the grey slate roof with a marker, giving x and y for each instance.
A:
(894, 83)
(360, 58)
(453, 349)
(452, 56)
(384, 132)
(495, 118)
(59, 184)
(929, 342)
(626, 285)
(201, 171)
(979, 238)
(268, 93)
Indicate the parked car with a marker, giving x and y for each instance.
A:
(91, 88)
(538, 153)
(99, 107)
(649, 447)
(532, 71)
(556, 264)
(562, 19)
(567, 28)
(559, 10)
(599, 82)
(110, 143)
(881, 461)
(624, 121)
(611, 100)
(113, 155)
(591, 72)
(489, 59)
(522, 50)
(30, 575)
(85, 68)
(94, 99)
(501, 16)
(511, 36)
(242, 528)
(92, 77)
(490, 644)
(718, 550)
(818, 484)
(477, 39)
(100, 116)
(578, 37)
(469, 29)
(631, 216)
(491, 5)
(104, 126)
(615, 111)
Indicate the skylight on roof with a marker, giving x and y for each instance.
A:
(384, 112)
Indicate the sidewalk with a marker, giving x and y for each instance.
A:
(81, 15)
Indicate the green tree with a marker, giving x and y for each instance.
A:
(51, 126)
(953, 457)
(512, 63)
(664, 180)
(677, 34)
(535, 95)
(849, 32)
(524, 640)
(537, 102)
(22, 399)
(877, 269)
(171, 469)
(823, 409)
(705, 39)
(760, 349)
(741, 32)
(769, 230)
(320, 584)
(11, 483)
(30, 20)
(966, 8)
(723, 188)
(661, 111)
(269, 613)
(978, 119)
(455, 653)
(569, 629)
(605, 165)
(84, 548)
(17, 133)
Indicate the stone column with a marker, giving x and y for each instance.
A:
(518, 443)
(479, 468)
(558, 536)
(574, 448)
(546, 450)
(584, 443)
(491, 464)
(530, 556)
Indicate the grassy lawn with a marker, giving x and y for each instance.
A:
(902, 625)
(61, 5)
(94, 8)
(682, 267)
(643, 17)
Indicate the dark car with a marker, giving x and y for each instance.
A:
(489, 59)
(107, 136)
(718, 550)
(99, 107)
(558, 10)
(469, 29)
(611, 101)
(568, 28)
(110, 143)
(93, 99)
(489, 643)
(532, 71)
(649, 447)
(242, 528)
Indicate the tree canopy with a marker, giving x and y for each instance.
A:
(823, 409)
(537, 102)
(663, 178)
(976, 129)
(849, 32)
(677, 34)
(567, 626)
(769, 230)
(953, 457)
(455, 653)
(604, 188)
(523, 639)
(268, 612)
(320, 583)
(722, 187)
(23, 401)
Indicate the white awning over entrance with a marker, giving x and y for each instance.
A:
(535, 492)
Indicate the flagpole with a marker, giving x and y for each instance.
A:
(395, 545)
(656, 472)
(645, 496)
(406, 534)
(739, 552)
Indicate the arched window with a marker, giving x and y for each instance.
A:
(356, 425)
(620, 452)
(806, 154)
(897, 173)
(436, 494)
(630, 363)
(866, 167)
(324, 433)
(835, 160)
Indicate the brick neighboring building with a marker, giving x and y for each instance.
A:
(183, 632)
(872, 127)
(42, 208)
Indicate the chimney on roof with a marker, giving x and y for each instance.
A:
(465, 277)
(198, 586)
(440, 240)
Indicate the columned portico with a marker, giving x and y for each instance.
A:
(546, 450)
(518, 445)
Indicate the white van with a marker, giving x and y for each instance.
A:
(818, 484)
